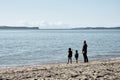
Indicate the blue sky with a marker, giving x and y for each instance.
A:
(60, 13)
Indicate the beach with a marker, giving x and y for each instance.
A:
(93, 70)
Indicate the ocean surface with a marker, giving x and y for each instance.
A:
(28, 47)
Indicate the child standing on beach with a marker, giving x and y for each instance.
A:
(76, 56)
(69, 56)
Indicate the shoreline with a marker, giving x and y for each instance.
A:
(59, 62)
(99, 69)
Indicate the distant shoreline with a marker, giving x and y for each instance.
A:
(37, 28)
(96, 28)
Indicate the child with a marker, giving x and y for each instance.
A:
(76, 56)
(70, 55)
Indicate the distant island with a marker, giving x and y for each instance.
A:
(82, 28)
(16, 27)
(97, 28)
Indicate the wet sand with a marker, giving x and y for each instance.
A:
(94, 70)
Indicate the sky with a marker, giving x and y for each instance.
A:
(60, 13)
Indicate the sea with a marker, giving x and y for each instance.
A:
(35, 47)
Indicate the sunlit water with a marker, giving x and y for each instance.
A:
(27, 47)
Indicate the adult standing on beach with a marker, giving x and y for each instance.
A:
(69, 56)
(84, 51)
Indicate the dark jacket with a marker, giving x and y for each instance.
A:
(76, 55)
(69, 53)
(84, 49)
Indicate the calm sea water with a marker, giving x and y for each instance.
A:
(27, 47)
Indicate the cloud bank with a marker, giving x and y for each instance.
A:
(43, 24)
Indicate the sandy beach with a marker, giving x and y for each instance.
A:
(94, 70)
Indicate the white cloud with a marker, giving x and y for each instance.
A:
(43, 24)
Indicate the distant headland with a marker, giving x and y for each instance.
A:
(17, 28)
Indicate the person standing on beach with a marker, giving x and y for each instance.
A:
(69, 56)
(84, 51)
(76, 56)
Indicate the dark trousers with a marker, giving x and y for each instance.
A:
(85, 57)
